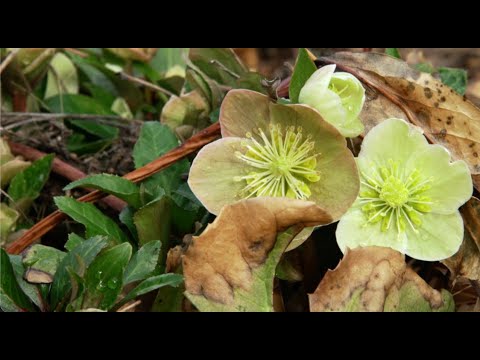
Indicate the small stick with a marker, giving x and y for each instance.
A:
(8, 59)
(146, 84)
(63, 169)
(190, 146)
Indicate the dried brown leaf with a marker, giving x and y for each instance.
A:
(376, 279)
(466, 262)
(396, 90)
(226, 268)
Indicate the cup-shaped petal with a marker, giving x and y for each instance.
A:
(338, 97)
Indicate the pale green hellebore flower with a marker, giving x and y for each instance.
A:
(338, 97)
(409, 195)
(274, 150)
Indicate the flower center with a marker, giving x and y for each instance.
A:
(282, 165)
(394, 192)
(394, 197)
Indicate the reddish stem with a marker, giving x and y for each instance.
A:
(63, 169)
(191, 145)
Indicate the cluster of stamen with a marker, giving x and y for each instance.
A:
(283, 164)
(395, 197)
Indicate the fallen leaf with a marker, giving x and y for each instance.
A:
(376, 279)
(38, 277)
(397, 90)
(466, 262)
(231, 266)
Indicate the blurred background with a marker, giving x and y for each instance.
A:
(271, 62)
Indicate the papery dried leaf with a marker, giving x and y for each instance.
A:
(466, 262)
(376, 279)
(400, 91)
(230, 267)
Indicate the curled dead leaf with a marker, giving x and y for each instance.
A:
(35, 276)
(376, 279)
(397, 90)
(231, 265)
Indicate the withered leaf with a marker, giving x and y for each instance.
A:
(231, 266)
(376, 279)
(397, 90)
(466, 262)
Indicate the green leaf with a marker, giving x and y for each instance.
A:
(141, 68)
(111, 184)
(100, 135)
(455, 78)
(81, 144)
(96, 76)
(94, 129)
(170, 299)
(78, 290)
(304, 68)
(42, 262)
(76, 104)
(126, 218)
(25, 187)
(151, 284)
(155, 140)
(185, 198)
(85, 252)
(62, 77)
(153, 222)
(73, 241)
(104, 277)
(100, 95)
(12, 298)
(143, 263)
(251, 81)
(31, 290)
(220, 64)
(93, 219)
(167, 59)
(425, 67)
(393, 52)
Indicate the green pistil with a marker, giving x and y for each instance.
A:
(282, 164)
(395, 198)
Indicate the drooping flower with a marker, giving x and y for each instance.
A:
(338, 97)
(274, 150)
(409, 197)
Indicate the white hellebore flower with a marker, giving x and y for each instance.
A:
(338, 97)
